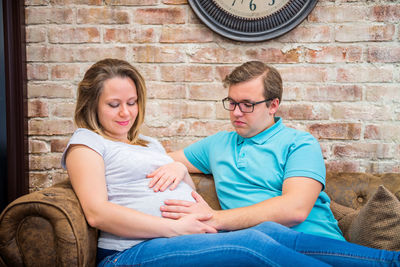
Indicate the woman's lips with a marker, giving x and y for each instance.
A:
(123, 123)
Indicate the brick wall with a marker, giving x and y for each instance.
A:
(340, 67)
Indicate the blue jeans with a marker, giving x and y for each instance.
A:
(267, 244)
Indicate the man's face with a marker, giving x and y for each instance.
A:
(250, 124)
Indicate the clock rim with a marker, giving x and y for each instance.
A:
(252, 36)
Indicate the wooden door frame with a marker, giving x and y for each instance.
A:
(16, 100)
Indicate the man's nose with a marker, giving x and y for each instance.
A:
(236, 111)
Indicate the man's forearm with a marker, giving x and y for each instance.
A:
(276, 209)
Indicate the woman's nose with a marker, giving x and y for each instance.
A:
(123, 110)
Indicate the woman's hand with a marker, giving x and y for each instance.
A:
(193, 224)
(169, 175)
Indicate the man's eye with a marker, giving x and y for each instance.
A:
(247, 105)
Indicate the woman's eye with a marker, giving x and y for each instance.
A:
(113, 105)
(132, 103)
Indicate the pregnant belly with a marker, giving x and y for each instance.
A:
(141, 198)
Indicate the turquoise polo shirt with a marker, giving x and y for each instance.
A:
(247, 171)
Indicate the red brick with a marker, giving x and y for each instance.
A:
(216, 54)
(383, 167)
(50, 127)
(386, 132)
(175, 128)
(169, 109)
(303, 111)
(221, 113)
(102, 15)
(135, 35)
(163, 54)
(293, 92)
(36, 2)
(65, 72)
(333, 93)
(91, 54)
(44, 15)
(363, 74)
(59, 144)
(45, 161)
(364, 32)
(274, 55)
(37, 71)
(304, 74)
(37, 108)
(171, 15)
(49, 54)
(340, 131)
(386, 13)
(341, 13)
(342, 166)
(35, 34)
(131, 3)
(186, 34)
(186, 73)
(334, 54)
(199, 110)
(360, 111)
(206, 128)
(165, 90)
(39, 180)
(61, 109)
(38, 146)
(50, 90)
(174, 2)
(77, 2)
(382, 93)
(207, 91)
(74, 35)
(177, 143)
(307, 34)
(384, 54)
(363, 150)
(222, 71)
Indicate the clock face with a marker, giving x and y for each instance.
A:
(251, 9)
(252, 20)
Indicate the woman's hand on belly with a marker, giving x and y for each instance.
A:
(193, 224)
(169, 175)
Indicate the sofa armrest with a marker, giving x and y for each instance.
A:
(47, 228)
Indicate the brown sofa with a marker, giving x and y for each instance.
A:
(48, 228)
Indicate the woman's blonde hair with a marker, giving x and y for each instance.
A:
(91, 87)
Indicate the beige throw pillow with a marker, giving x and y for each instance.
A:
(377, 225)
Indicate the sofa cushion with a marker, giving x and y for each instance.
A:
(377, 224)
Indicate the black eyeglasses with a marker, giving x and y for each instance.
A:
(245, 107)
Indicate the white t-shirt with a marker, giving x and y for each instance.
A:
(126, 168)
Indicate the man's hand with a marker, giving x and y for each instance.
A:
(176, 209)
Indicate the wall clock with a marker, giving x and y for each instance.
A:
(252, 20)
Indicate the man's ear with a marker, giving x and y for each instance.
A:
(273, 106)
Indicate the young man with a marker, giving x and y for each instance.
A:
(264, 171)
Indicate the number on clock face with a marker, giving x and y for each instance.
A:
(251, 9)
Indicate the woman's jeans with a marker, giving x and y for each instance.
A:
(267, 244)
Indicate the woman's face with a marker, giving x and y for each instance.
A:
(117, 108)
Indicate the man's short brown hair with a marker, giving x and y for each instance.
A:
(253, 69)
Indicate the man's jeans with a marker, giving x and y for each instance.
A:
(267, 244)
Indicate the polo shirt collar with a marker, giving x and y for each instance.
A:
(264, 135)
